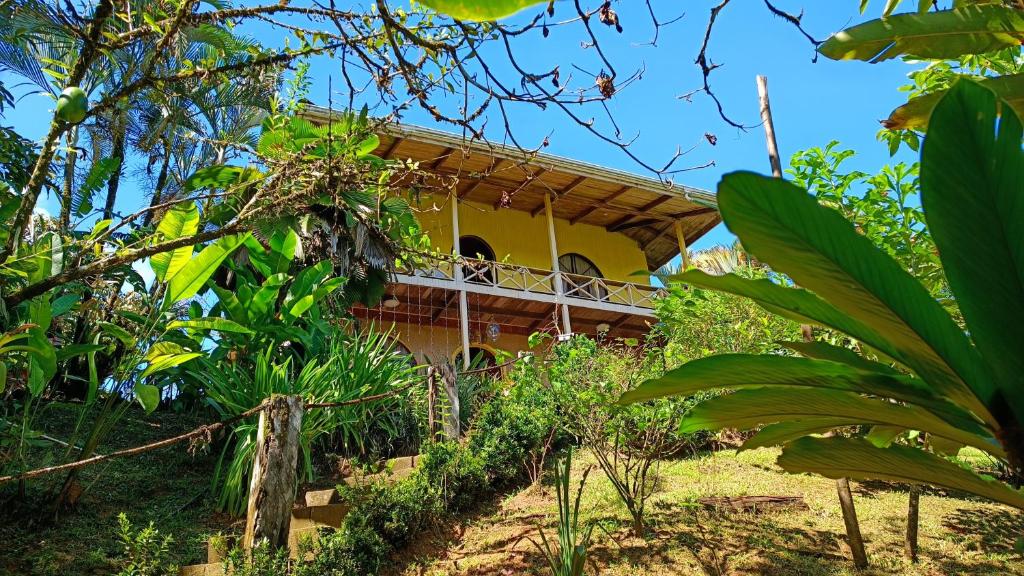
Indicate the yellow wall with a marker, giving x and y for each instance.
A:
(518, 238)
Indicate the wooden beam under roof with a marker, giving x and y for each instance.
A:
(391, 149)
(647, 222)
(615, 226)
(602, 203)
(559, 193)
(442, 158)
(448, 301)
(693, 236)
(523, 186)
(495, 166)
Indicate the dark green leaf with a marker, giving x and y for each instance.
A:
(815, 246)
(858, 459)
(972, 190)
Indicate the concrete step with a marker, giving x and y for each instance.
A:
(209, 569)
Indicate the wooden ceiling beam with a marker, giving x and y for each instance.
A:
(639, 212)
(560, 193)
(499, 165)
(668, 218)
(603, 203)
(391, 149)
(442, 158)
(525, 185)
(445, 306)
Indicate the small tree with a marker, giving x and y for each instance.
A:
(627, 441)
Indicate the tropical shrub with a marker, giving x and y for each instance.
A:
(517, 428)
(147, 552)
(628, 442)
(917, 370)
(355, 366)
(697, 323)
(458, 473)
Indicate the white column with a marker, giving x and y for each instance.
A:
(681, 238)
(460, 286)
(553, 245)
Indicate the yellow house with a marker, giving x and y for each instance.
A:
(538, 243)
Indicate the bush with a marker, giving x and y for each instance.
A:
(147, 552)
(456, 472)
(517, 429)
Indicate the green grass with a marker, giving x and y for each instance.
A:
(169, 487)
(958, 535)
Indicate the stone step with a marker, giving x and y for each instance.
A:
(394, 470)
(209, 569)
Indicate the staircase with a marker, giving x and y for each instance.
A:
(315, 510)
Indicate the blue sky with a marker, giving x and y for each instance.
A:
(813, 103)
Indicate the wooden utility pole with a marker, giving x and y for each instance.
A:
(274, 473)
(860, 558)
(913, 508)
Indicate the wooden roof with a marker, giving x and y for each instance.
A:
(506, 177)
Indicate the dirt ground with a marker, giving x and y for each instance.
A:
(958, 534)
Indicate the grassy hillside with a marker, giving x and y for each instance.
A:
(959, 535)
(169, 487)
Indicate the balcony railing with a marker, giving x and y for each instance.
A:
(499, 278)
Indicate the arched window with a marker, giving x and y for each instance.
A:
(475, 248)
(479, 357)
(400, 349)
(580, 268)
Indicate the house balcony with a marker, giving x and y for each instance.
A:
(522, 300)
(524, 283)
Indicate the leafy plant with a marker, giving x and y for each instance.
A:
(147, 552)
(918, 369)
(627, 441)
(569, 556)
(354, 366)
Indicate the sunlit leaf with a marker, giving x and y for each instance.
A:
(944, 34)
(180, 221)
(858, 459)
(480, 10)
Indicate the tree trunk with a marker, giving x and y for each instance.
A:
(68, 190)
(274, 473)
(161, 183)
(115, 178)
(860, 558)
(910, 544)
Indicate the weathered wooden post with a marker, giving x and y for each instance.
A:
(274, 473)
(433, 422)
(452, 428)
(860, 558)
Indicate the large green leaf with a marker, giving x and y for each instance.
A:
(739, 371)
(164, 355)
(789, 230)
(180, 221)
(945, 34)
(794, 303)
(783, 432)
(751, 408)
(210, 323)
(187, 282)
(972, 191)
(916, 112)
(856, 458)
(148, 396)
(479, 10)
(825, 351)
